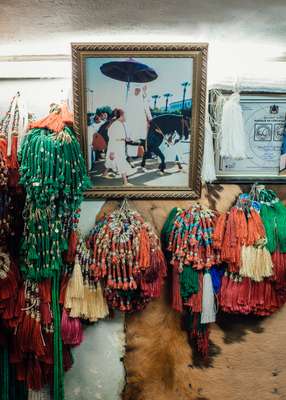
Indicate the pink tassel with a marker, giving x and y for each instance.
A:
(72, 332)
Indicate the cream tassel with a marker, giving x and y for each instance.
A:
(92, 308)
(208, 303)
(76, 282)
(101, 304)
(75, 291)
(233, 137)
(256, 263)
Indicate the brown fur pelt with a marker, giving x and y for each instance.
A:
(247, 354)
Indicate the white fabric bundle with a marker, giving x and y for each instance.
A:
(208, 168)
(233, 137)
(208, 303)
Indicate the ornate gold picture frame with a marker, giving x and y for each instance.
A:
(139, 112)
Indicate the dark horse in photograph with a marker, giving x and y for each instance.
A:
(161, 126)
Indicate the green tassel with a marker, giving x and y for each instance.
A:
(54, 175)
(189, 282)
(168, 226)
(273, 214)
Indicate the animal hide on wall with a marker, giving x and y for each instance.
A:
(246, 353)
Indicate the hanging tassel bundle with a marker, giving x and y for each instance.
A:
(255, 279)
(188, 237)
(190, 241)
(273, 214)
(13, 128)
(54, 176)
(233, 136)
(83, 295)
(71, 329)
(126, 254)
(240, 237)
(245, 296)
(53, 173)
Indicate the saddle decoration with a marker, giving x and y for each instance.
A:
(126, 256)
(252, 243)
(188, 239)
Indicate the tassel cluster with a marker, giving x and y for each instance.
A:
(248, 238)
(54, 175)
(245, 296)
(32, 349)
(188, 238)
(240, 237)
(13, 128)
(83, 296)
(126, 255)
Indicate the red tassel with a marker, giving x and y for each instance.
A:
(20, 302)
(67, 358)
(37, 341)
(177, 303)
(45, 291)
(64, 284)
(195, 301)
(34, 374)
(15, 355)
(46, 315)
(13, 159)
(73, 239)
(48, 357)
(25, 331)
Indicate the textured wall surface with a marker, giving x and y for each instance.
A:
(48, 19)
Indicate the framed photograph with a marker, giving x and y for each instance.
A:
(264, 123)
(139, 112)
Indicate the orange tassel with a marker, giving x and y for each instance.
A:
(258, 223)
(55, 121)
(219, 231)
(241, 224)
(144, 251)
(3, 148)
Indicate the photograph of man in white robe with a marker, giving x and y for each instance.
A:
(138, 117)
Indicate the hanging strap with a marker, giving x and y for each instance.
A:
(58, 392)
